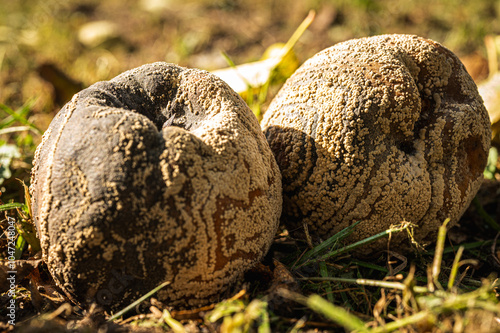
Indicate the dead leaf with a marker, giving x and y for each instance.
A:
(16, 270)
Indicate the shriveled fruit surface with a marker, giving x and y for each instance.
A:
(160, 174)
(379, 130)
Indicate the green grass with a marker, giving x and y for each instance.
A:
(351, 293)
(428, 303)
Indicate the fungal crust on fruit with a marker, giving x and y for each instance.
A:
(381, 130)
(161, 174)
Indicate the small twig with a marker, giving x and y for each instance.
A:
(65, 308)
(368, 282)
(454, 268)
(400, 267)
(172, 323)
(16, 129)
(301, 323)
(404, 322)
(238, 295)
(408, 293)
(155, 311)
(438, 255)
(308, 237)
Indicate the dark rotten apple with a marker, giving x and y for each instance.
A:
(160, 174)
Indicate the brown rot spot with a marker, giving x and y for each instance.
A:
(407, 147)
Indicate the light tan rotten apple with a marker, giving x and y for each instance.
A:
(378, 130)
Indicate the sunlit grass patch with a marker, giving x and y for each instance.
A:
(432, 303)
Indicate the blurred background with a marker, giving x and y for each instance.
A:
(50, 49)
(91, 40)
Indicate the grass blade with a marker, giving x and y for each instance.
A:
(363, 242)
(370, 265)
(438, 255)
(330, 242)
(323, 270)
(243, 78)
(172, 323)
(137, 302)
(454, 268)
(20, 246)
(320, 305)
(9, 206)
(27, 199)
(27, 231)
(403, 322)
(19, 115)
(368, 282)
(336, 313)
(297, 34)
(15, 129)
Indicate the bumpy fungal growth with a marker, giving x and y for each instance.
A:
(160, 174)
(378, 130)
